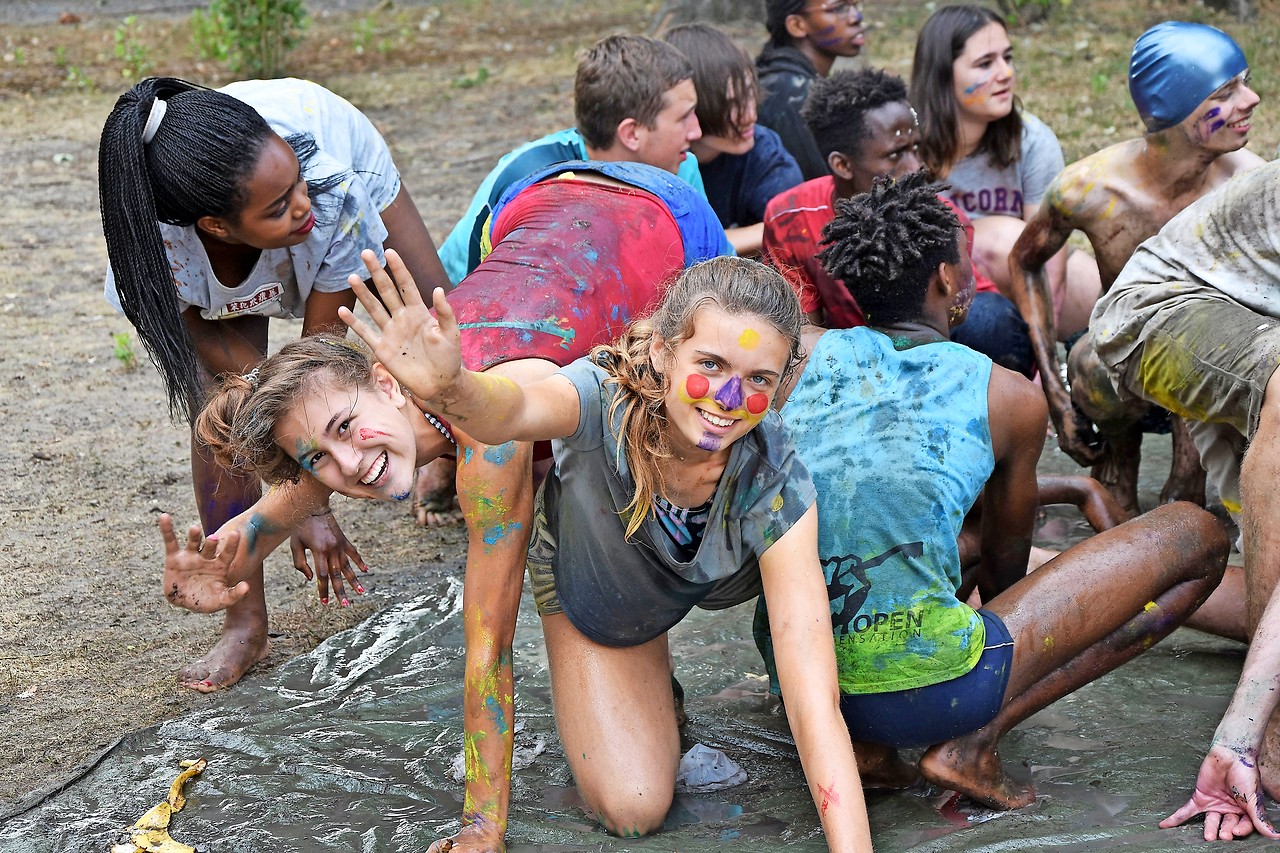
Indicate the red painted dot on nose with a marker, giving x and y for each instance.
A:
(757, 403)
(697, 386)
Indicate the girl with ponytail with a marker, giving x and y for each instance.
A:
(222, 209)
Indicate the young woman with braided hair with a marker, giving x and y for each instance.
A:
(222, 209)
(675, 486)
(901, 429)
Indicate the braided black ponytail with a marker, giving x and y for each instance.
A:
(194, 166)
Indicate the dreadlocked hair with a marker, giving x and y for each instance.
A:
(238, 423)
(886, 244)
(737, 286)
(837, 106)
(195, 165)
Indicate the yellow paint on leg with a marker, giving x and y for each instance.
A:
(1048, 642)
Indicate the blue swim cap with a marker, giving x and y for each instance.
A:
(1175, 66)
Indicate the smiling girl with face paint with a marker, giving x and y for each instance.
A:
(671, 430)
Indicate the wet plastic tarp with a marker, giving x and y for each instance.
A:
(353, 748)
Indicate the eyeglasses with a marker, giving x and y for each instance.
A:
(845, 8)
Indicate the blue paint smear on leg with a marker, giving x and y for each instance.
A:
(494, 534)
(499, 719)
(499, 454)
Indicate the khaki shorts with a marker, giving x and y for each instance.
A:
(1208, 360)
(542, 550)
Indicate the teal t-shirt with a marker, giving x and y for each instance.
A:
(899, 446)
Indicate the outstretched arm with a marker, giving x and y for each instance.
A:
(191, 577)
(424, 354)
(1228, 787)
(1095, 503)
(1045, 234)
(800, 622)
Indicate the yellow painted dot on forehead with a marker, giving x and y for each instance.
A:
(749, 339)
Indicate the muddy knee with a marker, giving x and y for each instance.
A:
(1199, 537)
(632, 813)
(1094, 393)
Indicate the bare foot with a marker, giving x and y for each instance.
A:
(976, 773)
(226, 663)
(881, 767)
(435, 494)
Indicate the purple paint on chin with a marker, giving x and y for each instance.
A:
(709, 441)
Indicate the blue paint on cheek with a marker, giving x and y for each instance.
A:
(499, 454)
(730, 394)
(467, 453)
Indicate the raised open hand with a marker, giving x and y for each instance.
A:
(195, 574)
(420, 350)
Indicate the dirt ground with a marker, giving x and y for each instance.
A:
(90, 456)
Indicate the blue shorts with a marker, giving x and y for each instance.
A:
(939, 712)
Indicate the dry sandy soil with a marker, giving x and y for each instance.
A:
(89, 456)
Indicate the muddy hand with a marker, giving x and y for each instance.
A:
(195, 574)
(421, 351)
(333, 554)
(1228, 794)
(1078, 438)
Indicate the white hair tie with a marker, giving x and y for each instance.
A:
(158, 109)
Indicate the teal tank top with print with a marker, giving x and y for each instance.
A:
(899, 446)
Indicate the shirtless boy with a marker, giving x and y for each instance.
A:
(1190, 83)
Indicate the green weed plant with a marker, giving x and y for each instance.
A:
(251, 36)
